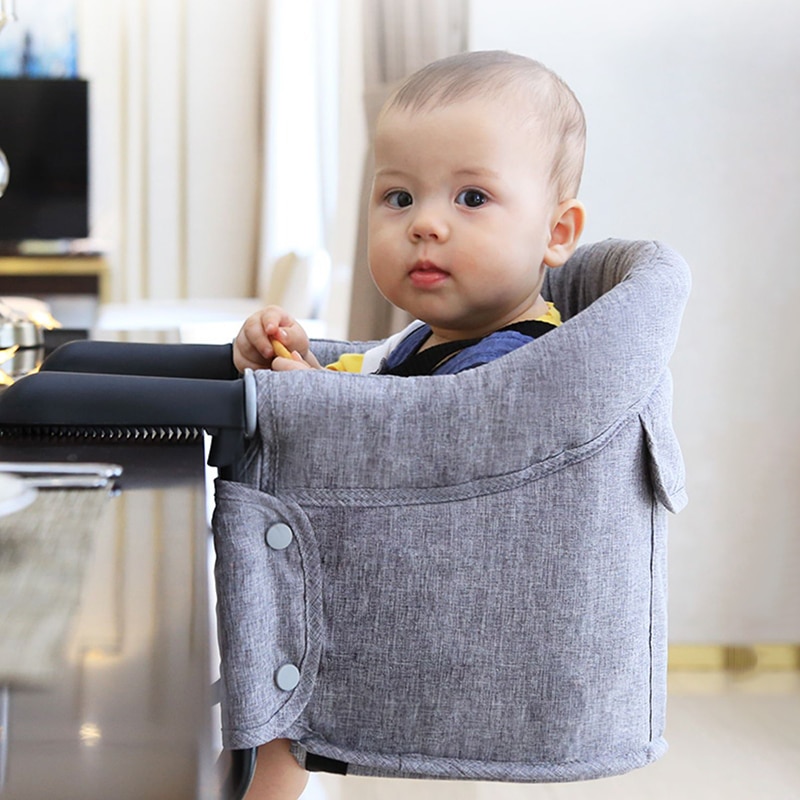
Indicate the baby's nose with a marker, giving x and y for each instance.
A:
(429, 224)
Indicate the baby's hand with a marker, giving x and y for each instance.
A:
(253, 346)
(285, 361)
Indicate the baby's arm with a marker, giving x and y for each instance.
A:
(253, 346)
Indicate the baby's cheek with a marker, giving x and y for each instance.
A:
(385, 261)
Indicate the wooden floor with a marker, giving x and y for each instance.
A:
(731, 738)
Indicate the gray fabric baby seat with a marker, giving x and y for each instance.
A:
(464, 576)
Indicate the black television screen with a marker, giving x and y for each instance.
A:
(44, 134)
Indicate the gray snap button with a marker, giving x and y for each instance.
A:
(287, 677)
(279, 536)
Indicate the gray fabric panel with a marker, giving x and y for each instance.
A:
(390, 765)
(269, 612)
(555, 394)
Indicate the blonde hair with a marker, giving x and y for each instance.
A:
(492, 73)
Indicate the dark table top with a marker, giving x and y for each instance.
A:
(128, 714)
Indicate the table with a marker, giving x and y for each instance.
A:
(129, 713)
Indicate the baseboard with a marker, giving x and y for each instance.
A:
(734, 658)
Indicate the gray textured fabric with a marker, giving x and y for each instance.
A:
(476, 583)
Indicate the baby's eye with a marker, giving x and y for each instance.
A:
(471, 198)
(399, 199)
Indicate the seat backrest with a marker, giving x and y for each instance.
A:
(464, 576)
(596, 269)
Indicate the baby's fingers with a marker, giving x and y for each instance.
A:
(293, 362)
(279, 349)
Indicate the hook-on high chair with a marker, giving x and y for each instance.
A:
(464, 576)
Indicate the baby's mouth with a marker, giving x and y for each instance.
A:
(426, 273)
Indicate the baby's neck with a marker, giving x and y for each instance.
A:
(442, 336)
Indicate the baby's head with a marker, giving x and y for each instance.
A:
(478, 159)
(539, 98)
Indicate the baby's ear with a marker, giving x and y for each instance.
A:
(565, 231)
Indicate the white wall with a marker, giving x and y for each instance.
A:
(694, 138)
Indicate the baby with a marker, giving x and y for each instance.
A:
(478, 159)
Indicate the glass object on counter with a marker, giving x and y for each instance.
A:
(5, 172)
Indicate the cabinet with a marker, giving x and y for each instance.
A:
(73, 286)
(42, 276)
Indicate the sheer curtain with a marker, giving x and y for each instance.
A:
(207, 145)
(400, 36)
(299, 175)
